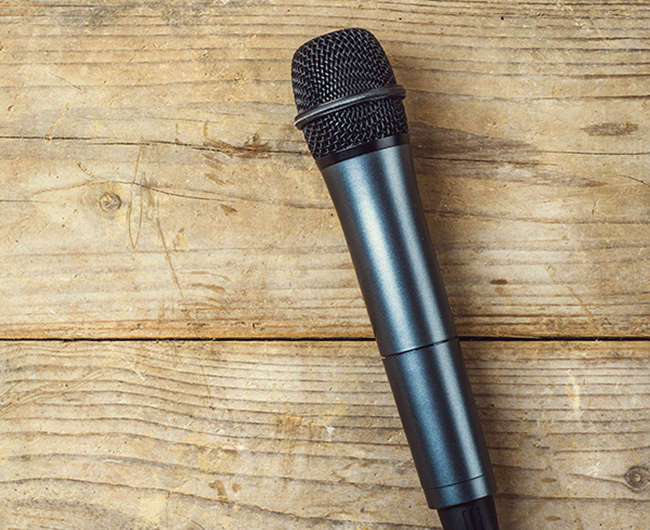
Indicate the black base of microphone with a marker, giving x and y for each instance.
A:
(479, 514)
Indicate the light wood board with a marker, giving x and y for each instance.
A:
(293, 435)
(154, 185)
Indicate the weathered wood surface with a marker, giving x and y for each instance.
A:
(154, 187)
(153, 184)
(294, 435)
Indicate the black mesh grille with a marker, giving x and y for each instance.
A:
(339, 64)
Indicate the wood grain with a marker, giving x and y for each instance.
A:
(153, 185)
(293, 435)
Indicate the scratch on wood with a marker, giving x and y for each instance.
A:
(150, 187)
(76, 87)
(636, 180)
(168, 256)
(611, 129)
(135, 183)
(252, 147)
(193, 522)
(50, 134)
(85, 169)
(582, 304)
(550, 270)
(573, 391)
(46, 390)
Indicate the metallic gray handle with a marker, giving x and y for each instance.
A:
(377, 201)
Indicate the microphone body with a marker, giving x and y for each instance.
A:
(377, 201)
(355, 125)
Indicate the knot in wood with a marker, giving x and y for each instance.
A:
(638, 478)
(110, 201)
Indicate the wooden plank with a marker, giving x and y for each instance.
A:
(293, 435)
(153, 185)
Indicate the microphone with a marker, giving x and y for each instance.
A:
(351, 113)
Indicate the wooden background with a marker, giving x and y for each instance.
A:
(184, 345)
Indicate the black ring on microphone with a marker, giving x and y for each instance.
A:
(388, 91)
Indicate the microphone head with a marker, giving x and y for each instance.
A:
(337, 65)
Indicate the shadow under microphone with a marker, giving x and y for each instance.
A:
(353, 119)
